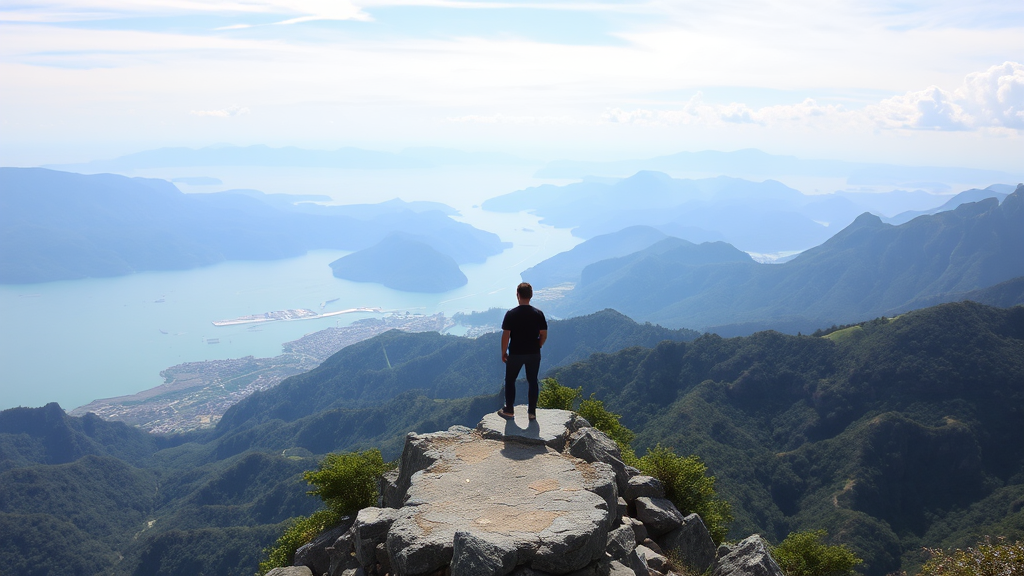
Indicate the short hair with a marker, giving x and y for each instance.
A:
(524, 290)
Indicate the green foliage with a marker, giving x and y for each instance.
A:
(999, 559)
(689, 487)
(299, 532)
(804, 554)
(606, 421)
(346, 483)
(555, 396)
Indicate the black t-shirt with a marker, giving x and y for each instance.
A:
(525, 323)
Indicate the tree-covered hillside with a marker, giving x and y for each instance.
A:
(87, 490)
(892, 434)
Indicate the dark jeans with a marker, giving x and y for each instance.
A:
(513, 365)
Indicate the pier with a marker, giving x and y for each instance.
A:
(297, 314)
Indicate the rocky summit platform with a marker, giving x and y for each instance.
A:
(504, 487)
(514, 496)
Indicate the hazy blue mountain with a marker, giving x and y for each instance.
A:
(290, 156)
(755, 216)
(997, 191)
(404, 263)
(60, 226)
(752, 162)
(567, 266)
(868, 269)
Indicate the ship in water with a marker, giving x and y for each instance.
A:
(297, 314)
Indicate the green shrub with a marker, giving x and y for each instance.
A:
(599, 417)
(999, 559)
(346, 483)
(554, 395)
(689, 487)
(686, 481)
(803, 554)
(300, 531)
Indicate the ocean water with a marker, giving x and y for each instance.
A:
(76, 341)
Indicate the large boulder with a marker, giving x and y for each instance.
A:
(371, 529)
(317, 554)
(420, 453)
(486, 553)
(659, 515)
(749, 557)
(620, 543)
(691, 543)
(654, 560)
(551, 428)
(640, 486)
(592, 445)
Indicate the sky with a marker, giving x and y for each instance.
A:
(925, 82)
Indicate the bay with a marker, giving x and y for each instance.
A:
(76, 341)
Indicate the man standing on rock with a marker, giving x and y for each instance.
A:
(523, 332)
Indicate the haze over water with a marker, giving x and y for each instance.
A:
(76, 341)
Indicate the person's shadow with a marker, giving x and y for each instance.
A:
(518, 450)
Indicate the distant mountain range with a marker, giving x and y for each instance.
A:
(62, 226)
(997, 191)
(868, 269)
(567, 266)
(290, 156)
(755, 163)
(759, 217)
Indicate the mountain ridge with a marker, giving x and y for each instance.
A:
(866, 269)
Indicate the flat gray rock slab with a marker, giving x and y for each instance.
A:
(527, 496)
(551, 428)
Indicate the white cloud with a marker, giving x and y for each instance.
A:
(995, 97)
(223, 113)
(990, 99)
(930, 109)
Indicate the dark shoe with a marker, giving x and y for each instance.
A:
(532, 416)
(504, 414)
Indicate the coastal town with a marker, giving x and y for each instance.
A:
(195, 395)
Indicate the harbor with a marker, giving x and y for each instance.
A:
(287, 315)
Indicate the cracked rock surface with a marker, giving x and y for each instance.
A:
(516, 493)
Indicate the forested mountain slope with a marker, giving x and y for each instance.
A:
(78, 493)
(893, 434)
(376, 371)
